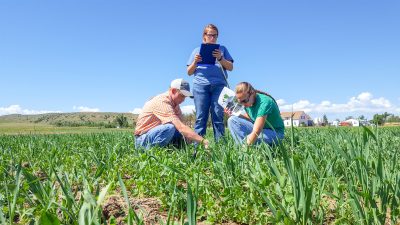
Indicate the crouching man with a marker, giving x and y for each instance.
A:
(160, 122)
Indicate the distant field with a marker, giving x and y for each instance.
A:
(38, 128)
(60, 123)
(394, 124)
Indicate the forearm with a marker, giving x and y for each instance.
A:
(228, 65)
(257, 129)
(190, 134)
(191, 68)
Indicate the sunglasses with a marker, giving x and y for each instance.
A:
(246, 100)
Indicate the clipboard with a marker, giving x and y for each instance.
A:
(206, 53)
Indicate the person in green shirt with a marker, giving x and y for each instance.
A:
(261, 121)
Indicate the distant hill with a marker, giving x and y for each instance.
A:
(71, 119)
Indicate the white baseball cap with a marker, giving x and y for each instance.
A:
(183, 86)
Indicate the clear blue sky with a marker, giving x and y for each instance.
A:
(329, 57)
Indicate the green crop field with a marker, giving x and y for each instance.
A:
(316, 176)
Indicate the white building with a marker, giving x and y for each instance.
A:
(353, 122)
(300, 118)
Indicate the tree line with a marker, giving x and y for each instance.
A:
(381, 119)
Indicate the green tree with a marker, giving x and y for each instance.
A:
(325, 120)
(121, 121)
(386, 115)
(393, 119)
(378, 119)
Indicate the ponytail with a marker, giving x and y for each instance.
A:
(265, 93)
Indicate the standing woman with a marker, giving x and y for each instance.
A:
(262, 121)
(208, 83)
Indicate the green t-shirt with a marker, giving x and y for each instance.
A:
(265, 106)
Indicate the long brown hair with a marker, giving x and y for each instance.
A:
(245, 87)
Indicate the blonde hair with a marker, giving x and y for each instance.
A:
(245, 87)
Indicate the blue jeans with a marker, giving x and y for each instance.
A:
(240, 128)
(206, 102)
(161, 135)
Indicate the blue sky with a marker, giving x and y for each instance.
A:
(339, 58)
